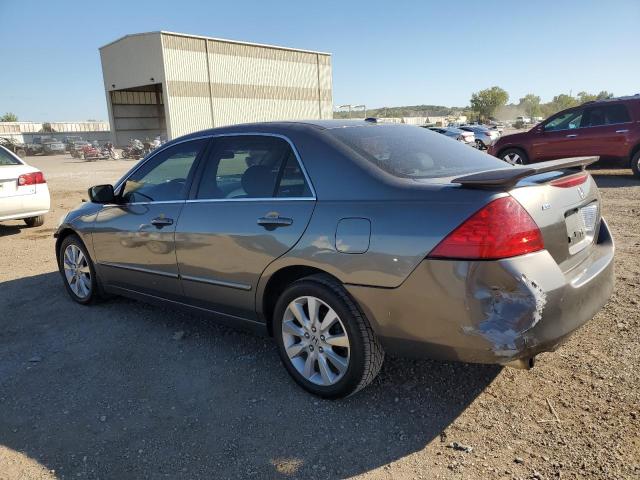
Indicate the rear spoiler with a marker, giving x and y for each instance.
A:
(505, 178)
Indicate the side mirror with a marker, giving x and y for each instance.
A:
(102, 194)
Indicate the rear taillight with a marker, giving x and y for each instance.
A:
(501, 229)
(570, 181)
(31, 179)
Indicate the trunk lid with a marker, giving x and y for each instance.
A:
(566, 211)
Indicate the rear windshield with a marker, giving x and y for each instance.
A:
(7, 159)
(413, 152)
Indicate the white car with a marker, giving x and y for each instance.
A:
(24, 194)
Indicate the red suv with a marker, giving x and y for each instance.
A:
(607, 128)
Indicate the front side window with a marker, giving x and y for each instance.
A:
(251, 166)
(164, 177)
(565, 121)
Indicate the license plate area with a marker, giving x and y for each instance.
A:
(581, 227)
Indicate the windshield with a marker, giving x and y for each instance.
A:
(413, 152)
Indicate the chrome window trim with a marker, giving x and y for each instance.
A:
(261, 199)
(219, 135)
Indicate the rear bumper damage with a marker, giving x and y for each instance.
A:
(490, 311)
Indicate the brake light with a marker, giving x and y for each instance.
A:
(501, 229)
(31, 179)
(570, 181)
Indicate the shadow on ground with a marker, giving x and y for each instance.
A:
(114, 391)
(7, 230)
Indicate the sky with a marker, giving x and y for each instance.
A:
(385, 53)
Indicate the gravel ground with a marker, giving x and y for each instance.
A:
(126, 390)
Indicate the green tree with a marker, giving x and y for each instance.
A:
(9, 117)
(584, 97)
(562, 102)
(487, 101)
(603, 95)
(531, 105)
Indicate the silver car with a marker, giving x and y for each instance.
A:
(345, 240)
(460, 135)
(485, 137)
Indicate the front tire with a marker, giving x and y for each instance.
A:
(635, 164)
(324, 341)
(77, 271)
(514, 156)
(34, 221)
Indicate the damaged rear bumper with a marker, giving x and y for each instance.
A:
(490, 311)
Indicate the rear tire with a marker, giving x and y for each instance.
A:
(34, 221)
(514, 156)
(635, 164)
(343, 356)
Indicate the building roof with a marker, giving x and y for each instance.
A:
(238, 42)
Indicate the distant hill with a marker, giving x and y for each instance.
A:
(407, 111)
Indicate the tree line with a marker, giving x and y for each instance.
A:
(492, 103)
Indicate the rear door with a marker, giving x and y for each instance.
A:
(251, 204)
(606, 130)
(133, 240)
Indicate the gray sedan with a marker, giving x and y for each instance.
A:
(346, 240)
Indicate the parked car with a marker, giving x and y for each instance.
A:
(607, 128)
(485, 137)
(70, 140)
(24, 194)
(45, 145)
(419, 246)
(10, 144)
(461, 135)
(51, 146)
(523, 120)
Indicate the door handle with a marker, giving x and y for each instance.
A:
(626, 130)
(276, 221)
(573, 135)
(162, 222)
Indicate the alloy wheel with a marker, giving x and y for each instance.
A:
(513, 158)
(77, 271)
(315, 340)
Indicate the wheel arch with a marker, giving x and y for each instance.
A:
(276, 283)
(512, 147)
(634, 150)
(63, 233)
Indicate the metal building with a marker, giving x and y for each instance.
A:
(170, 84)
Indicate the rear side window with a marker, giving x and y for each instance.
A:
(617, 114)
(605, 115)
(251, 166)
(7, 159)
(413, 152)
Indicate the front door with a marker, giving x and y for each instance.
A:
(134, 240)
(559, 138)
(251, 204)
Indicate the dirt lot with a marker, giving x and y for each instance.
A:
(126, 390)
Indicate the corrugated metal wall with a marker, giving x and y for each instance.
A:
(211, 83)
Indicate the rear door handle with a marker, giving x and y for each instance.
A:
(162, 222)
(276, 221)
(573, 135)
(626, 130)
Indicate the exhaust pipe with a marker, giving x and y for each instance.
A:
(522, 363)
